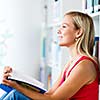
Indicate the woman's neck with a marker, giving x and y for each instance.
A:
(73, 51)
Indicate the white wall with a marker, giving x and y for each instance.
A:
(23, 19)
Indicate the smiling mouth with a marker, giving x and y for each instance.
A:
(60, 36)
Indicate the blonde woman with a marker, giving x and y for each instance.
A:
(79, 78)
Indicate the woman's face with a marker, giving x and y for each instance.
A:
(67, 32)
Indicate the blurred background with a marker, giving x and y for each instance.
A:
(28, 39)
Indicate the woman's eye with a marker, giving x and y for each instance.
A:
(63, 26)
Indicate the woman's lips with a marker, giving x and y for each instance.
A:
(60, 36)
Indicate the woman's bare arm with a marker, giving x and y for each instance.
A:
(71, 85)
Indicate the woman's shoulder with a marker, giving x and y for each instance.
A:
(89, 64)
(91, 59)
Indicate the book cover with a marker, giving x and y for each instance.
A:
(27, 81)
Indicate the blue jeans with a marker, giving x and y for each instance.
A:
(15, 95)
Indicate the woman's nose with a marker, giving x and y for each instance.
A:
(59, 32)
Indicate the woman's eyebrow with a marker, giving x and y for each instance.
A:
(65, 24)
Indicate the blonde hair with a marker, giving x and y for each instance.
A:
(85, 23)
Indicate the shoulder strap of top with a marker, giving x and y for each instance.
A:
(83, 58)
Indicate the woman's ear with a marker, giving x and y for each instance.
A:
(79, 33)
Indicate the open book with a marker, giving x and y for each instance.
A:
(27, 81)
(24, 80)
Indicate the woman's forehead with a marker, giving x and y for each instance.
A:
(67, 20)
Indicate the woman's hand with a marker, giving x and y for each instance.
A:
(6, 73)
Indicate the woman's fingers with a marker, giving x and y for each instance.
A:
(6, 75)
(4, 82)
(7, 69)
(9, 82)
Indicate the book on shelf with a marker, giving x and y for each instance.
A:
(96, 4)
(91, 6)
(96, 47)
(24, 80)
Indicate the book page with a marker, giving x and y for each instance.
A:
(20, 76)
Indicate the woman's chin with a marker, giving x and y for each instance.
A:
(61, 44)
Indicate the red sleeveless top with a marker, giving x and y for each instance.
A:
(87, 92)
